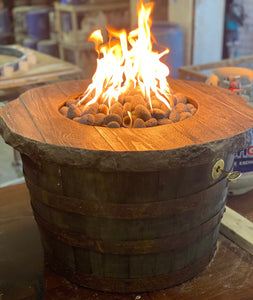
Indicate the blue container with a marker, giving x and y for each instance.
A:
(49, 47)
(5, 23)
(71, 2)
(30, 43)
(15, 66)
(169, 35)
(38, 24)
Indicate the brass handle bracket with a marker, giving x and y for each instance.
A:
(218, 170)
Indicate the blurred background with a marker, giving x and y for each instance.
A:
(212, 29)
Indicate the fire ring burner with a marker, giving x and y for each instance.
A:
(127, 210)
(130, 110)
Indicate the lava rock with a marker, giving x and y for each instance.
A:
(113, 101)
(155, 102)
(151, 122)
(127, 107)
(121, 99)
(70, 101)
(139, 123)
(99, 119)
(181, 98)
(158, 113)
(103, 108)
(166, 110)
(113, 124)
(117, 109)
(164, 121)
(181, 107)
(190, 106)
(128, 98)
(185, 115)
(73, 112)
(87, 119)
(112, 118)
(174, 116)
(90, 109)
(193, 110)
(138, 99)
(64, 110)
(173, 100)
(76, 119)
(134, 91)
(115, 106)
(81, 107)
(142, 112)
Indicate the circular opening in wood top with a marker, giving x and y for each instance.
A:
(129, 111)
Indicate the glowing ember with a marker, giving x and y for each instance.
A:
(129, 87)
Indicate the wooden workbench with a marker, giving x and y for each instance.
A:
(46, 70)
(24, 276)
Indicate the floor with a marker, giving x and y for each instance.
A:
(9, 172)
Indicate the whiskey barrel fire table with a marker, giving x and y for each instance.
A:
(128, 210)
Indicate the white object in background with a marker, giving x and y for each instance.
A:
(244, 159)
(31, 59)
(242, 185)
(208, 31)
(23, 66)
(8, 71)
(13, 182)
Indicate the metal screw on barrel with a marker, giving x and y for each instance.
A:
(218, 170)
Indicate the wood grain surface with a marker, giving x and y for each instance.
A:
(238, 229)
(222, 124)
(46, 69)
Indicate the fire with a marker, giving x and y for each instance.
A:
(128, 61)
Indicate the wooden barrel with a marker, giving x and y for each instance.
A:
(127, 210)
(126, 231)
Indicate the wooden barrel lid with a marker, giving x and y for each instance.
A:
(33, 125)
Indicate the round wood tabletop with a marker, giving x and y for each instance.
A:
(33, 125)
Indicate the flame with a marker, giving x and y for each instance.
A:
(128, 61)
(128, 122)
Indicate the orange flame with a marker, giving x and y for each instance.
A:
(127, 61)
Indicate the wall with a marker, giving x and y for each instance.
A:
(246, 32)
(208, 31)
(202, 22)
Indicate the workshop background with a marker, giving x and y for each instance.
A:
(43, 42)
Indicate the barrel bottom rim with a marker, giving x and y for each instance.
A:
(128, 286)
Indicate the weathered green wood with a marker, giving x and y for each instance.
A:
(122, 187)
(208, 199)
(132, 266)
(126, 229)
(82, 260)
(130, 247)
(101, 232)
